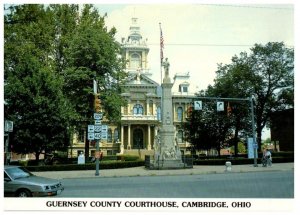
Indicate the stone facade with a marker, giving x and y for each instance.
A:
(141, 118)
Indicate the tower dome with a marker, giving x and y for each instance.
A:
(135, 50)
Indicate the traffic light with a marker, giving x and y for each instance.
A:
(190, 111)
(229, 109)
(97, 103)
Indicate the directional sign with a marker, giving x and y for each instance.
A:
(98, 122)
(91, 128)
(9, 126)
(220, 106)
(91, 136)
(98, 116)
(104, 129)
(104, 136)
(97, 136)
(198, 105)
(97, 128)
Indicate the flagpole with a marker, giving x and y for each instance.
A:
(161, 61)
(161, 53)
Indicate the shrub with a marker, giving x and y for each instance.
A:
(87, 166)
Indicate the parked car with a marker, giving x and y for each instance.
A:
(19, 182)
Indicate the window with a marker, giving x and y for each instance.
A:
(138, 109)
(180, 136)
(158, 112)
(109, 135)
(183, 88)
(125, 112)
(116, 135)
(81, 136)
(135, 61)
(179, 113)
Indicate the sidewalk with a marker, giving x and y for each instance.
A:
(141, 171)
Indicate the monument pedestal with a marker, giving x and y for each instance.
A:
(167, 152)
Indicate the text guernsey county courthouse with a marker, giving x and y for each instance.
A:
(140, 121)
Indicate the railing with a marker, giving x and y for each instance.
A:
(139, 117)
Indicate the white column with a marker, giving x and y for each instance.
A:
(148, 112)
(149, 137)
(129, 144)
(122, 140)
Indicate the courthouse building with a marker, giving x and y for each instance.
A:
(141, 118)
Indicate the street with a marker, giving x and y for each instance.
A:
(273, 184)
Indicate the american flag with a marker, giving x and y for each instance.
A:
(161, 45)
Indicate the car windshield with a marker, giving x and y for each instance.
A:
(18, 172)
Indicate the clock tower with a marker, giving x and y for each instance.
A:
(135, 50)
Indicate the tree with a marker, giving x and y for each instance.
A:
(52, 55)
(207, 129)
(33, 92)
(267, 73)
(93, 54)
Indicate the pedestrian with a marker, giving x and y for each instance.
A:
(269, 157)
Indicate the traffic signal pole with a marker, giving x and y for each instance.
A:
(250, 99)
(96, 103)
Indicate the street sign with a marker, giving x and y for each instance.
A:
(220, 106)
(97, 136)
(8, 126)
(198, 105)
(98, 116)
(97, 128)
(91, 136)
(91, 128)
(104, 136)
(104, 128)
(98, 122)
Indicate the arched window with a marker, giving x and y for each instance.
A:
(179, 114)
(138, 109)
(135, 61)
(158, 112)
(109, 135)
(180, 136)
(125, 112)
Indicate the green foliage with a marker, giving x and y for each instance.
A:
(241, 148)
(267, 73)
(52, 55)
(208, 128)
(88, 166)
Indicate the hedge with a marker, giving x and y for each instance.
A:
(240, 161)
(87, 166)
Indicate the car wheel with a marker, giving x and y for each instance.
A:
(24, 193)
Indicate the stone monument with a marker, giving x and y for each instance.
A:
(167, 152)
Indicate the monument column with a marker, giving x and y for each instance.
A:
(169, 153)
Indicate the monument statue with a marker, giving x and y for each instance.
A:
(166, 66)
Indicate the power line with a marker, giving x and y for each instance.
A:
(250, 6)
(208, 45)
